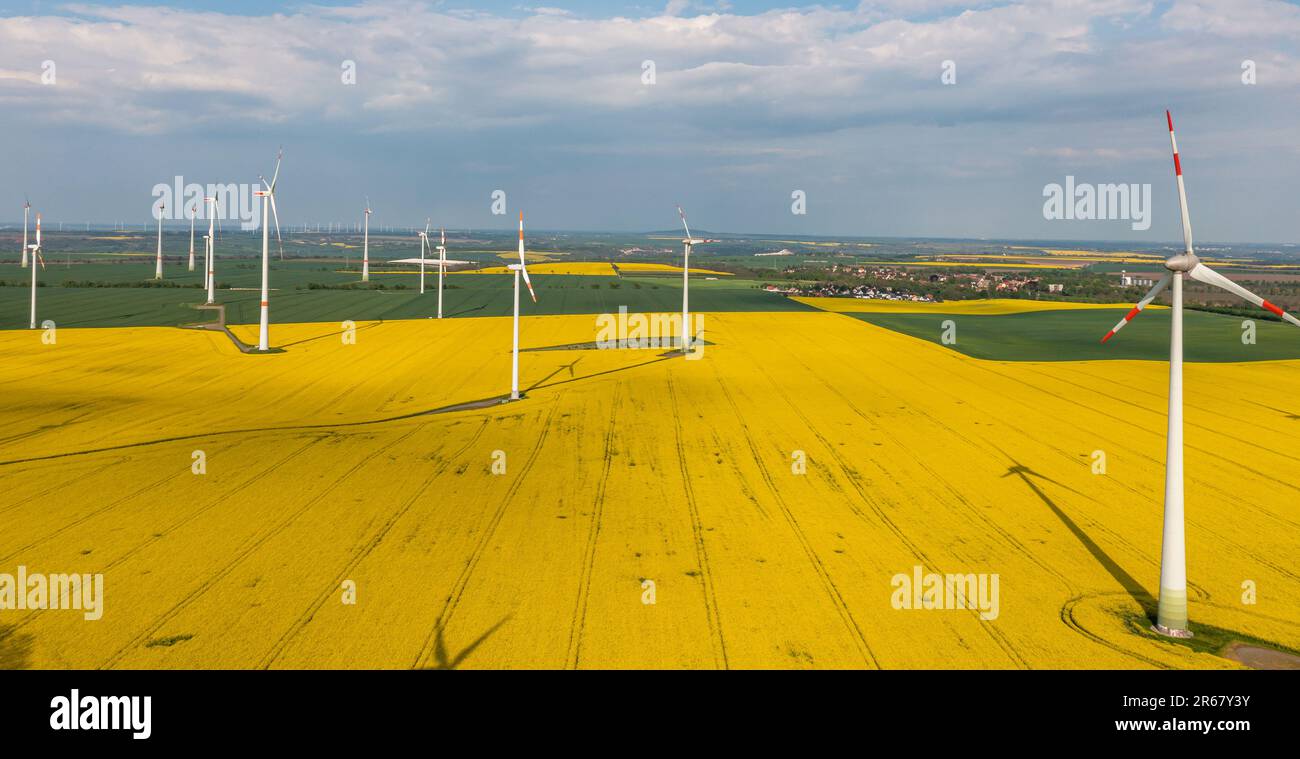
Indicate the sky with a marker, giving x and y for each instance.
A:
(920, 118)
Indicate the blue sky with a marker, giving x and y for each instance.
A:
(751, 101)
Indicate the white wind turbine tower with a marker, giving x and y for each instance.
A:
(1171, 611)
(194, 212)
(36, 257)
(687, 244)
(424, 244)
(365, 252)
(210, 261)
(157, 272)
(268, 203)
(520, 268)
(27, 208)
(442, 268)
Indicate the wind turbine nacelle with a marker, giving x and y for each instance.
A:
(1181, 262)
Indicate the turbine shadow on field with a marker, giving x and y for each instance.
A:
(596, 374)
(1287, 414)
(558, 369)
(440, 647)
(1127, 581)
(334, 333)
(467, 310)
(474, 405)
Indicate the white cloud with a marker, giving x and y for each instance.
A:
(786, 93)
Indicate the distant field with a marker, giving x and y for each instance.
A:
(484, 295)
(1075, 335)
(596, 268)
(990, 307)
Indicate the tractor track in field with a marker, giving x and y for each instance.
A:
(1115, 538)
(1067, 616)
(851, 475)
(323, 426)
(42, 429)
(225, 496)
(61, 485)
(1209, 486)
(1118, 539)
(366, 548)
(432, 359)
(248, 548)
(578, 626)
(697, 531)
(462, 581)
(1131, 424)
(1160, 412)
(832, 590)
(1201, 593)
(734, 464)
(961, 499)
(96, 512)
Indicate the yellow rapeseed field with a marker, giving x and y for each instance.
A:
(634, 509)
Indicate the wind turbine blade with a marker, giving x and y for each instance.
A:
(279, 156)
(523, 265)
(428, 223)
(1142, 304)
(1182, 191)
(682, 214)
(276, 215)
(1203, 273)
(444, 237)
(528, 282)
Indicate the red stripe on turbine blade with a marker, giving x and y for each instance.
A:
(1108, 336)
(1129, 316)
(1274, 308)
(1178, 166)
(264, 304)
(1170, 119)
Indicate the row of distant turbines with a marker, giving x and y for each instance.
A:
(269, 211)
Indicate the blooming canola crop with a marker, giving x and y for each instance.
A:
(369, 504)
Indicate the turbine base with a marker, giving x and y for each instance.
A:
(1171, 632)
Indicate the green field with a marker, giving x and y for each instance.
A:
(1076, 335)
(292, 301)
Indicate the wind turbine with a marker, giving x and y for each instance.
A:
(687, 244)
(27, 208)
(424, 243)
(211, 260)
(365, 253)
(194, 211)
(268, 203)
(1171, 611)
(518, 269)
(157, 272)
(36, 257)
(442, 268)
